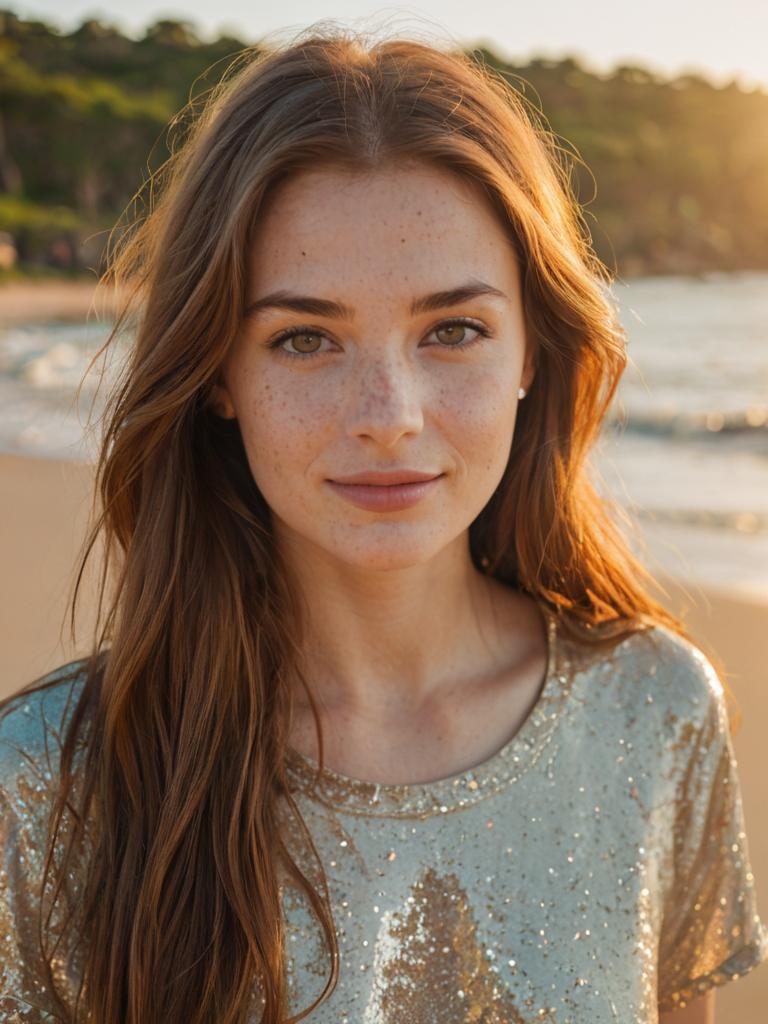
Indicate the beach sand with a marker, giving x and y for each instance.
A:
(54, 300)
(44, 506)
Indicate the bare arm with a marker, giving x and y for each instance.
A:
(700, 1011)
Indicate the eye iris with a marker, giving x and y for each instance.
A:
(453, 329)
(305, 334)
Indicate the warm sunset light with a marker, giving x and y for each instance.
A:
(383, 511)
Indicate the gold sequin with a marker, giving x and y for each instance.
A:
(593, 869)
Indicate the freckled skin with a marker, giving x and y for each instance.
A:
(383, 392)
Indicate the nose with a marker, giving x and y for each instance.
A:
(385, 400)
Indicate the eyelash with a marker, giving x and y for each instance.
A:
(461, 321)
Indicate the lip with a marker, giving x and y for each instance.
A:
(386, 497)
(386, 478)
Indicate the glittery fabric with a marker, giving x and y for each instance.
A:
(595, 869)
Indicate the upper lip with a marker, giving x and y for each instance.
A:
(382, 479)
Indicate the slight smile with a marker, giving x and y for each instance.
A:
(386, 497)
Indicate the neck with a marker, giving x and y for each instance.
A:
(383, 644)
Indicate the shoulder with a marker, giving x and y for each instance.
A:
(672, 665)
(32, 728)
(658, 675)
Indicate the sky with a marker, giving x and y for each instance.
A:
(723, 41)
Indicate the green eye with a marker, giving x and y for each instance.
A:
(302, 336)
(454, 330)
(455, 326)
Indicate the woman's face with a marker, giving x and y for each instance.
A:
(384, 387)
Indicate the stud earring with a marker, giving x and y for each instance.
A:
(521, 392)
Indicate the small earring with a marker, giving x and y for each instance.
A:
(521, 392)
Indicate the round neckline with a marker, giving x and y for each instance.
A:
(453, 792)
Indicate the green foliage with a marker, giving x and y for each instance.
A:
(671, 173)
(42, 234)
(17, 215)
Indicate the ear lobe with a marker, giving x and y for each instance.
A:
(221, 403)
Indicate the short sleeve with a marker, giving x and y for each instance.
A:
(711, 931)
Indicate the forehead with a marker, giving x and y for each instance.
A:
(404, 225)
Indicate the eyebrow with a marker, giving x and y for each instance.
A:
(339, 311)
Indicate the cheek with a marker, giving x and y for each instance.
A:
(289, 420)
(282, 425)
(482, 417)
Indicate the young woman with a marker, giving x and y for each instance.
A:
(380, 725)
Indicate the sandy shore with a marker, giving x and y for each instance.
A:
(52, 300)
(44, 506)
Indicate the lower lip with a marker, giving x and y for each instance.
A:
(391, 498)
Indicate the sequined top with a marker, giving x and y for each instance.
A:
(595, 869)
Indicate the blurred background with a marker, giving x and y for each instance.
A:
(663, 109)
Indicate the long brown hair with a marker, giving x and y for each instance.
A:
(186, 704)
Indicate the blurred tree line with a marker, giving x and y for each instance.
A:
(672, 172)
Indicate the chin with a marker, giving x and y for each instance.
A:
(388, 557)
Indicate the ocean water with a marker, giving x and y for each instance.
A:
(684, 451)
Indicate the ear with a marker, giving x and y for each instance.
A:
(221, 402)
